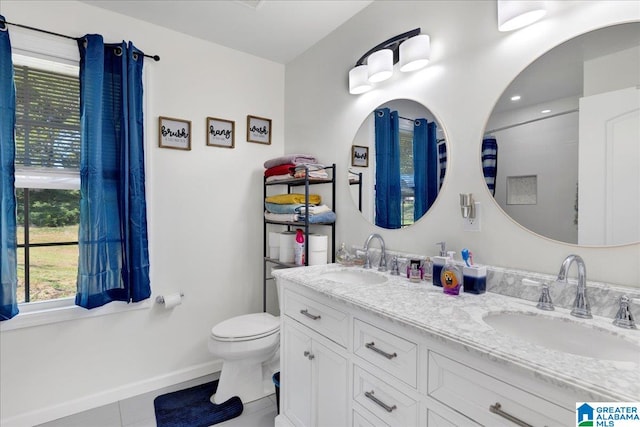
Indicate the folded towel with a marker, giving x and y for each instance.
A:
(313, 210)
(280, 169)
(290, 158)
(324, 217)
(280, 217)
(320, 174)
(309, 166)
(275, 178)
(283, 209)
(285, 199)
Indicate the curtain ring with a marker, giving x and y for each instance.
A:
(416, 123)
(117, 51)
(4, 26)
(85, 42)
(380, 113)
(134, 55)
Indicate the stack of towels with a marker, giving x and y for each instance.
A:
(294, 166)
(291, 208)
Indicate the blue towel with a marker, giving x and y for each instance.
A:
(282, 209)
(323, 217)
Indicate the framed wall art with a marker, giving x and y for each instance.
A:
(259, 130)
(359, 156)
(174, 133)
(221, 132)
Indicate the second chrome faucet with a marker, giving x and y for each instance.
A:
(581, 307)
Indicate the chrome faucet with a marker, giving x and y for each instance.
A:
(581, 306)
(624, 317)
(382, 266)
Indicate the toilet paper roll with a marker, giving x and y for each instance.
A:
(287, 243)
(318, 242)
(274, 244)
(274, 239)
(274, 252)
(317, 258)
(172, 300)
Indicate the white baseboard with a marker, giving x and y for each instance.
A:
(106, 397)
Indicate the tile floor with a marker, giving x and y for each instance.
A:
(138, 412)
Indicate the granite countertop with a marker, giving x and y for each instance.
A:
(458, 319)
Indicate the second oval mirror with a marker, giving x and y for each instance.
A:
(567, 134)
(398, 164)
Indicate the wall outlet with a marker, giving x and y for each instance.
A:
(472, 224)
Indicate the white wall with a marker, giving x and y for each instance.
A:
(472, 63)
(547, 149)
(205, 227)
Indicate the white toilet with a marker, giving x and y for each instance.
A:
(249, 348)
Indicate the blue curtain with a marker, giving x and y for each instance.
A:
(425, 166)
(8, 261)
(442, 160)
(114, 260)
(388, 200)
(490, 162)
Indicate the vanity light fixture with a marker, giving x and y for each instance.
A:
(515, 14)
(545, 111)
(411, 49)
(516, 98)
(415, 53)
(380, 65)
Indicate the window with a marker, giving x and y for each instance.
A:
(47, 178)
(407, 183)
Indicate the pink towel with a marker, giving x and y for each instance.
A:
(290, 158)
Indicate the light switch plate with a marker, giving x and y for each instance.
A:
(472, 224)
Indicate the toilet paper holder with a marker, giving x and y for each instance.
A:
(160, 298)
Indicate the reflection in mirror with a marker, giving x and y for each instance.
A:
(407, 164)
(567, 135)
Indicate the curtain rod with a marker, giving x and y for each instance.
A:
(154, 57)
(531, 121)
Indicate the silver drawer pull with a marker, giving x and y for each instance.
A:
(372, 346)
(497, 409)
(309, 315)
(369, 395)
(308, 355)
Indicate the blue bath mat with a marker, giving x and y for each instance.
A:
(191, 407)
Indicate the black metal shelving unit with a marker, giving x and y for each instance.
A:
(305, 225)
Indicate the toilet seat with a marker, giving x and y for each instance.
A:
(246, 327)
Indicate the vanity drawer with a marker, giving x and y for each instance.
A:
(326, 320)
(389, 352)
(473, 394)
(362, 418)
(384, 401)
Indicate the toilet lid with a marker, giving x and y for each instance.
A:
(247, 326)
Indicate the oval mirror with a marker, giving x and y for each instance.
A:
(398, 164)
(561, 150)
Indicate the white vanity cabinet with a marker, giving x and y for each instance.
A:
(314, 368)
(342, 365)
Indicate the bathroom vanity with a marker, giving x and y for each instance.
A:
(363, 348)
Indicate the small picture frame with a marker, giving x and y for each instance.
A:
(259, 130)
(174, 133)
(359, 156)
(221, 132)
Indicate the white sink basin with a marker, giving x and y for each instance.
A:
(565, 335)
(355, 277)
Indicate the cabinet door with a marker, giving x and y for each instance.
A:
(330, 382)
(296, 377)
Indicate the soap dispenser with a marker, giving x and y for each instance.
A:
(451, 276)
(438, 263)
